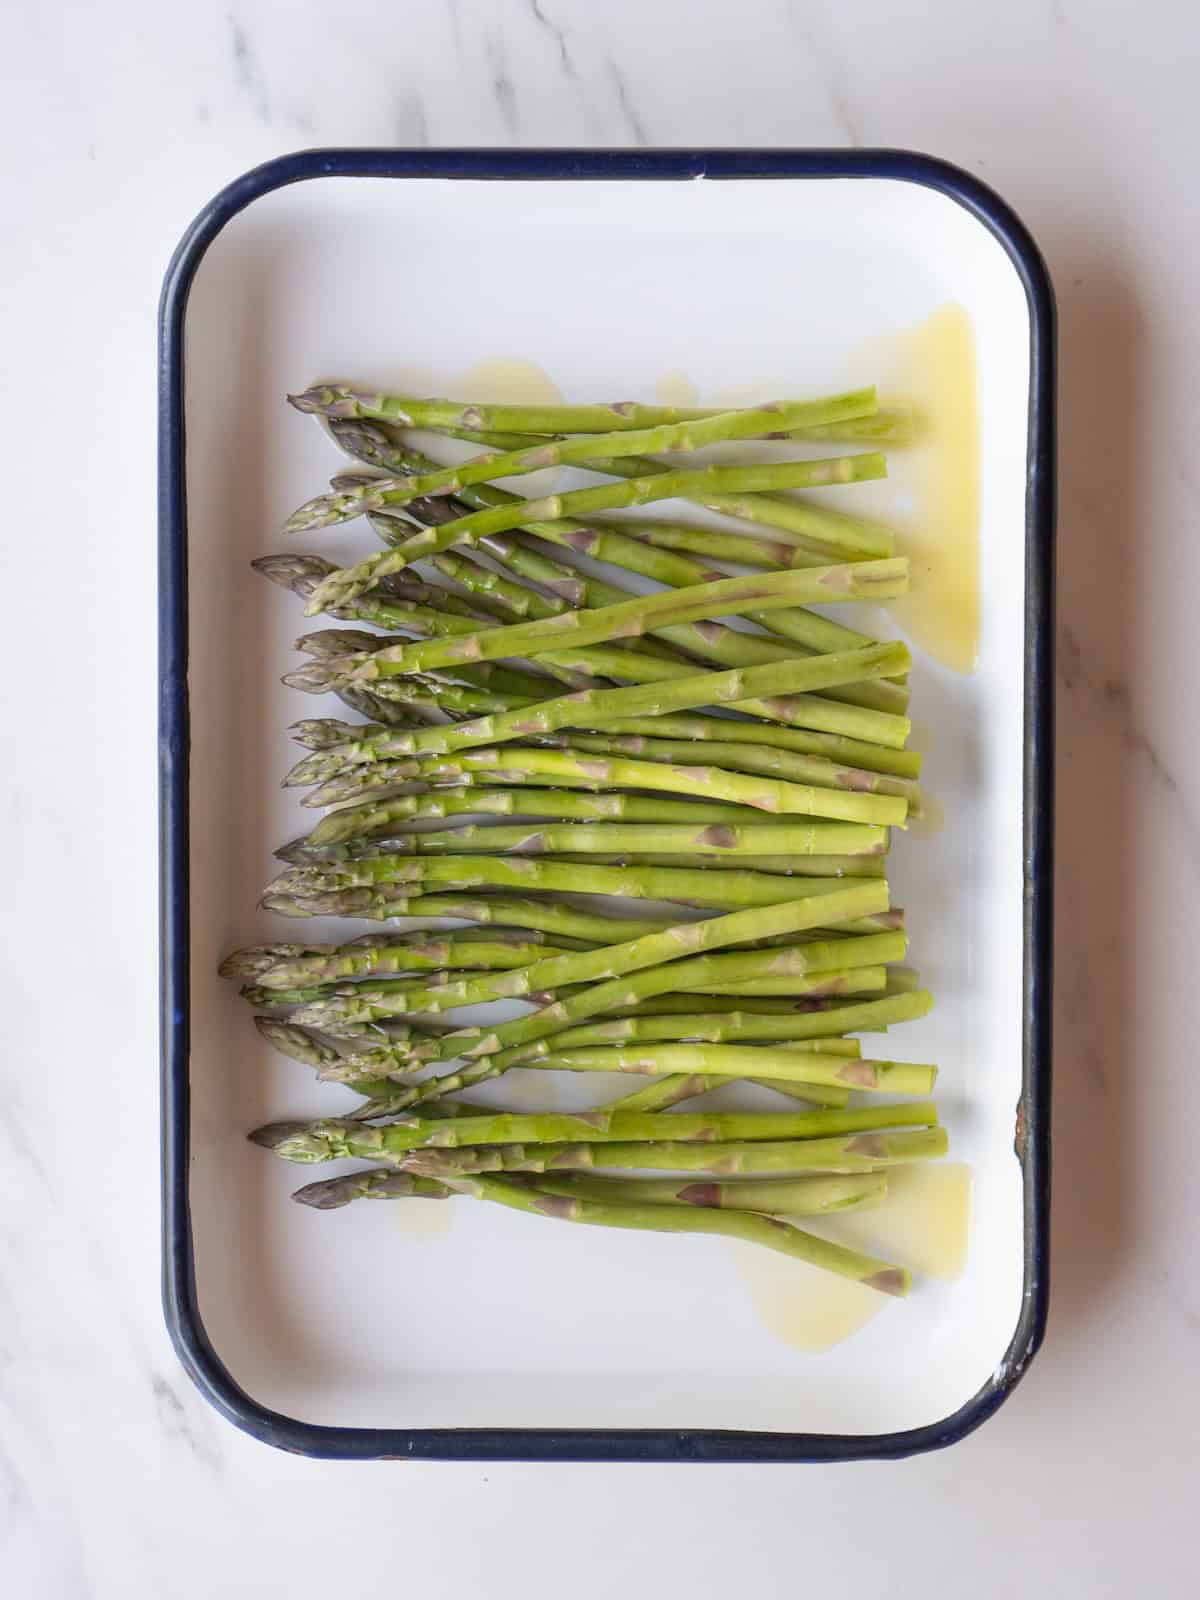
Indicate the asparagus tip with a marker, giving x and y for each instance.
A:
(325, 399)
(329, 1194)
(294, 852)
(276, 1135)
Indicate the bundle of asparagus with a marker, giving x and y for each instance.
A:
(540, 739)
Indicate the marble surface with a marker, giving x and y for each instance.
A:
(118, 123)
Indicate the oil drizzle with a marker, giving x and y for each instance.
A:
(676, 389)
(937, 478)
(507, 379)
(924, 1223)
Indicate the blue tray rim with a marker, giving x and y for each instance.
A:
(181, 1310)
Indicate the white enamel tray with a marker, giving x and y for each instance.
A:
(479, 1332)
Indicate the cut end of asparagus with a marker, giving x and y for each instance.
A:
(891, 1280)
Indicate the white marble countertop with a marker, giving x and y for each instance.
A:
(119, 122)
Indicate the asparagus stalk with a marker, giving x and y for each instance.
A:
(777, 691)
(432, 954)
(387, 902)
(848, 838)
(699, 887)
(688, 435)
(339, 400)
(891, 424)
(570, 1007)
(786, 764)
(662, 1093)
(748, 1226)
(399, 1061)
(853, 1153)
(705, 1026)
(523, 603)
(789, 1197)
(553, 917)
(629, 618)
(565, 805)
(796, 1197)
(345, 1010)
(606, 543)
(656, 1096)
(803, 522)
(555, 972)
(685, 1005)
(648, 738)
(845, 867)
(341, 587)
(339, 1138)
(710, 641)
(749, 1061)
(902, 765)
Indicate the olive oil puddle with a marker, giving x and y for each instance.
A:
(935, 480)
(924, 1224)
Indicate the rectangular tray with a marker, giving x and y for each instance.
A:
(505, 1338)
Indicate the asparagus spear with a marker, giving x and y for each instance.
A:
(794, 1197)
(723, 597)
(699, 887)
(816, 713)
(810, 523)
(339, 1138)
(890, 425)
(848, 838)
(688, 435)
(569, 1008)
(853, 1153)
(748, 1226)
(566, 805)
(339, 400)
(750, 758)
(685, 1004)
(604, 542)
(341, 587)
(749, 1061)
(433, 954)
(741, 690)
(387, 902)
(710, 641)
(521, 602)
(726, 1027)
(353, 1006)
(894, 424)
(902, 764)
(555, 972)
(661, 1093)
(650, 738)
